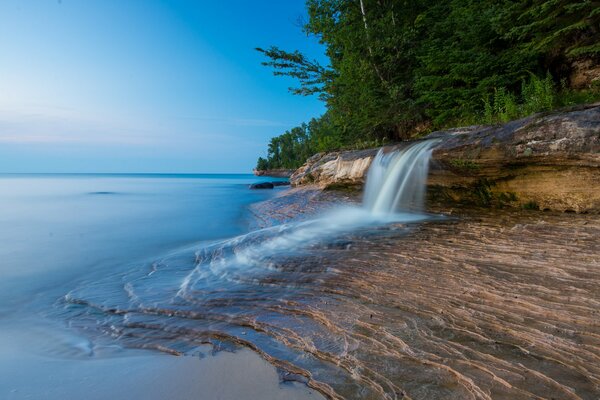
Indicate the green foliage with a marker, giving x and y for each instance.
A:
(531, 205)
(311, 75)
(400, 68)
(568, 97)
(554, 29)
(465, 165)
(288, 150)
(536, 95)
(262, 164)
(483, 192)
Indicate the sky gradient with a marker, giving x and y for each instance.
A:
(145, 86)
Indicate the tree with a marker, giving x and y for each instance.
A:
(262, 164)
(398, 68)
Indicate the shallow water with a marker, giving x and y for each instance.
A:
(356, 305)
(63, 232)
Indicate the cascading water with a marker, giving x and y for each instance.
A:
(396, 180)
(262, 289)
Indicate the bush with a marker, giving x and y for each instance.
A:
(536, 95)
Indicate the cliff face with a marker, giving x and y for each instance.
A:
(546, 161)
(335, 170)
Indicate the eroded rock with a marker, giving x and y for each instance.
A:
(548, 161)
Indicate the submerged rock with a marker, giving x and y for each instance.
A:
(281, 183)
(262, 185)
(269, 185)
(548, 161)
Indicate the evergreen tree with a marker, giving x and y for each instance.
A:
(397, 68)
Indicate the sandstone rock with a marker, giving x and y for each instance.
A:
(335, 170)
(545, 161)
(585, 74)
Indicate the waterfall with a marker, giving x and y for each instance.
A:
(396, 180)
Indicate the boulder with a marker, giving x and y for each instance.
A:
(281, 183)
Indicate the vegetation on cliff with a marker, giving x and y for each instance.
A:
(398, 69)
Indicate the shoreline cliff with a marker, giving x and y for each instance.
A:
(547, 161)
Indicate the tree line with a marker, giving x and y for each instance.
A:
(398, 69)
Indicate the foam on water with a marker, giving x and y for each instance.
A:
(394, 193)
(250, 253)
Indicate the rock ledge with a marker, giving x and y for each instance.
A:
(548, 161)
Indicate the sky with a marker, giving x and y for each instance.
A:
(145, 85)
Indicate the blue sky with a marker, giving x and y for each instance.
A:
(145, 85)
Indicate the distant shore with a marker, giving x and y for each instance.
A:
(275, 173)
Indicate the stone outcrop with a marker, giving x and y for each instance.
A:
(343, 169)
(545, 161)
(585, 74)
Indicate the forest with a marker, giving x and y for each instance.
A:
(400, 69)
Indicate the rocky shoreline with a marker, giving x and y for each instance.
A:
(548, 161)
(476, 303)
(487, 299)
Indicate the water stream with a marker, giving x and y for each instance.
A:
(378, 301)
(260, 290)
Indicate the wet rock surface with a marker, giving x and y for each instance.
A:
(477, 304)
(262, 185)
(473, 305)
(298, 204)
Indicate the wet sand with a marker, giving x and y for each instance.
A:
(124, 374)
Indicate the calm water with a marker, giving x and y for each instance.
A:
(62, 233)
(55, 229)
(106, 278)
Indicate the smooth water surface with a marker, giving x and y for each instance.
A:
(59, 232)
(105, 268)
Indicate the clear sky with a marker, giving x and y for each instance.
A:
(145, 85)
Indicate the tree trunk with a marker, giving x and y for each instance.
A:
(369, 48)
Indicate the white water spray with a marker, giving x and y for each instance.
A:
(396, 180)
(394, 193)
